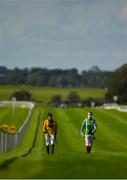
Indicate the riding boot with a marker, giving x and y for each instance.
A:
(87, 149)
(47, 147)
(52, 148)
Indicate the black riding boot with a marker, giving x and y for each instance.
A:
(88, 149)
(52, 148)
(47, 147)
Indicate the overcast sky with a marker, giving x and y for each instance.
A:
(63, 33)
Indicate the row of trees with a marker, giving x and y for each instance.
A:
(55, 78)
(116, 82)
(73, 99)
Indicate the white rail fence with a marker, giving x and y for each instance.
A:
(115, 106)
(10, 141)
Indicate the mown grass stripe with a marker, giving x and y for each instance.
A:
(69, 130)
(109, 135)
(39, 143)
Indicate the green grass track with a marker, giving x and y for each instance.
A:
(107, 160)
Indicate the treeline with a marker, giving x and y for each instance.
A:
(117, 85)
(72, 100)
(55, 78)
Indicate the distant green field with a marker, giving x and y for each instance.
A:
(108, 158)
(45, 93)
(11, 116)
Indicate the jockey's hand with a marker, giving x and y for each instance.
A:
(92, 132)
(44, 132)
(81, 134)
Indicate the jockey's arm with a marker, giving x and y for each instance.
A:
(95, 127)
(82, 127)
(44, 128)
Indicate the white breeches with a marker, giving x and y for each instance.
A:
(49, 139)
(89, 140)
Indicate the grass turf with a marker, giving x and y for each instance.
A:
(108, 158)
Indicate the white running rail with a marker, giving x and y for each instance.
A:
(10, 141)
